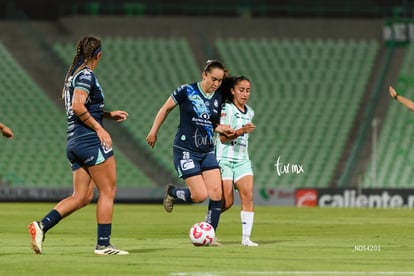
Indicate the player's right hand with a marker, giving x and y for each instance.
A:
(249, 128)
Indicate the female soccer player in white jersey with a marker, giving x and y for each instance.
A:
(193, 149)
(232, 153)
(89, 149)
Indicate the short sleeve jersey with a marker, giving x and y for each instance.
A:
(198, 113)
(86, 81)
(235, 150)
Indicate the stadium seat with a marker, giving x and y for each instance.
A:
(36, 156)
(300, 92)
(395, 156)
(138, 75)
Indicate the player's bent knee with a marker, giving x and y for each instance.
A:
(198, 198)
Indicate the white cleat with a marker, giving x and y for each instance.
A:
(36, 232)
(249, 243)
(109, 250)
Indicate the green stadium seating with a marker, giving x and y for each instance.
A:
(36, 156)
(308, 93)
(138, 75)
(305, 94)
(395, 155)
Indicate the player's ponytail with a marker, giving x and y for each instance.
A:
(225, 88)
(88, 47)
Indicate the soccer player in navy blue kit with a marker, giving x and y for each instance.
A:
(89, 149)
(194, 144)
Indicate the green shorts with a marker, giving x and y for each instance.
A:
(235, 170)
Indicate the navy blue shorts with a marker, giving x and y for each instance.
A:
(188, 163)
(86, 151)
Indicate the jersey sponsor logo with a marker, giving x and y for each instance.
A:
(200, 107)
(179, 89)
(106, 149)
(85, 77)
(205, 116)
(238, 142)
(89, 159)
(187, 164)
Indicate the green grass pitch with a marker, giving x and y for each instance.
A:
(293, 241)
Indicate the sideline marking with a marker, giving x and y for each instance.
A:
(293, 273)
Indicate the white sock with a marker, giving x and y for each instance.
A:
(247, 224)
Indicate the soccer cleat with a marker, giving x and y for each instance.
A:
(249, 243)
(109, 250)
(168, 201)
(36, 231)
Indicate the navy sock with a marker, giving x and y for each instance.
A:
(181, 193)
(104, 234)
(214, 212)
(50, 220)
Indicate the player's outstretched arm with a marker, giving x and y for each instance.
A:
(159, 119)
(117, 115)
(403, 100)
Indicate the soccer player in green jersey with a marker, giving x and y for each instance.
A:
(232, 153)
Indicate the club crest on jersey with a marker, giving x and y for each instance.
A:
(215, 103)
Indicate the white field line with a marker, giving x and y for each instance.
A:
(216, 273)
